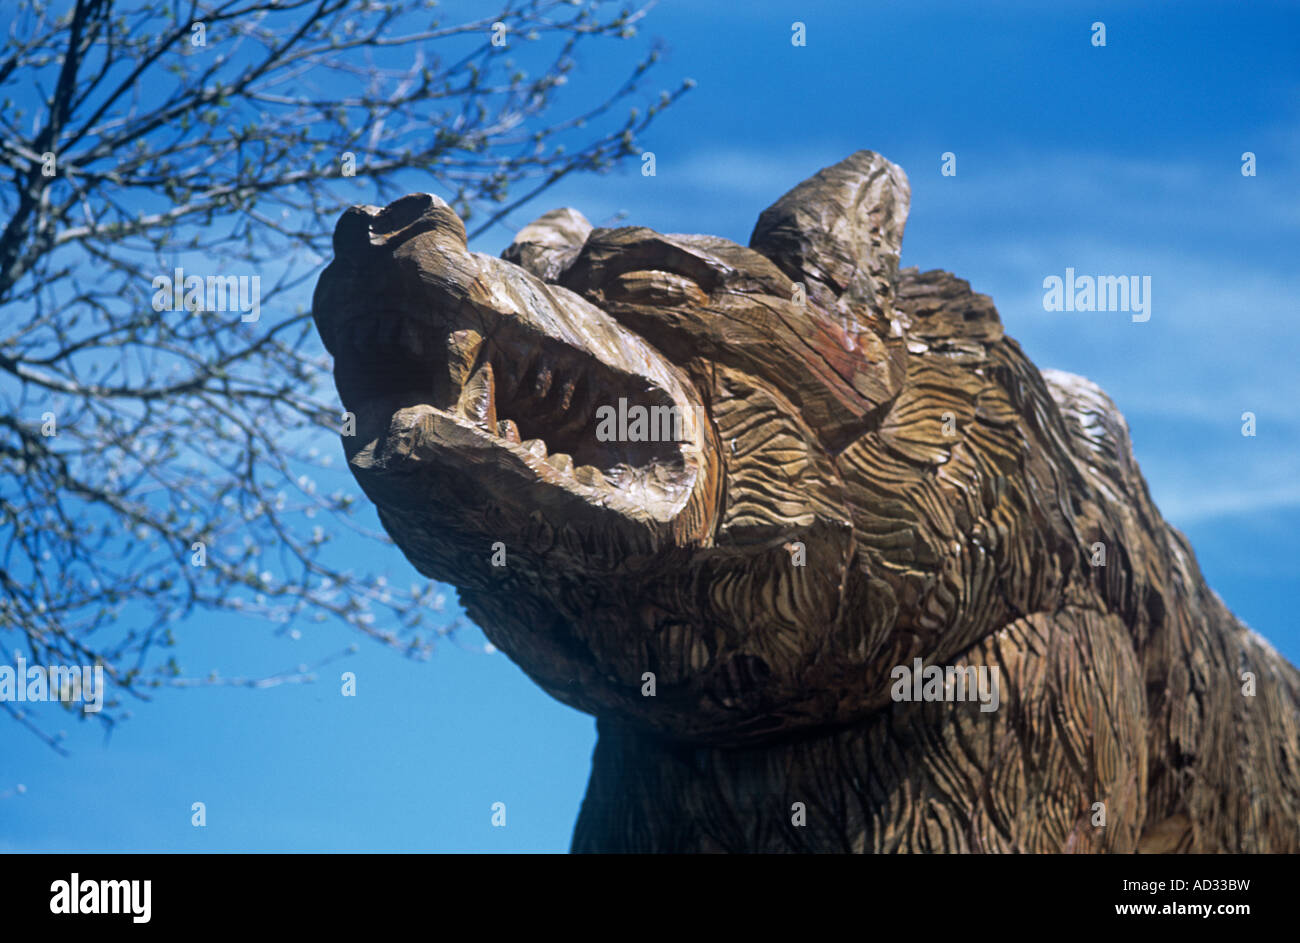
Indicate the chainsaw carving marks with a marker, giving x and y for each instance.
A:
(886, 587)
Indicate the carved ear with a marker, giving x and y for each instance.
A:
(841, 231)
(549, 244)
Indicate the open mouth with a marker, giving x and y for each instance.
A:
(553, 412)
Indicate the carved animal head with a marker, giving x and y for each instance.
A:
(765, 475)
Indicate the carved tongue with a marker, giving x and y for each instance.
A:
(478, 400)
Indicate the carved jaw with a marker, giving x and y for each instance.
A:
(534, 415)
(467, 395)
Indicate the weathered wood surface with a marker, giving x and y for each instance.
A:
(947, 496)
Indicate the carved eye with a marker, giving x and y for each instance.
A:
(653, 287)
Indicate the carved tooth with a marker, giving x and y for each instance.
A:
(534, 447)
(478, 402)
(507, 430)
(542, 385)
(561, 461)
(589, 475)
(462, 353)
(566, 394)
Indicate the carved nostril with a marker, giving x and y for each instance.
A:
(352, 234)
(412, 215)
(363, 229)
(401, 213)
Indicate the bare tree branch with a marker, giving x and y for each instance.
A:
(140, 438)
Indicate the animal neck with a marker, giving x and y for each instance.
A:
(647, 794)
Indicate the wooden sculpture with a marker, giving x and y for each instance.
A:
(738, 502)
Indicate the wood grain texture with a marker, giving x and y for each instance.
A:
(868, 473)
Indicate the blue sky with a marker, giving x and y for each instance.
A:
(1117, 160)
